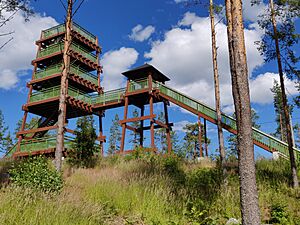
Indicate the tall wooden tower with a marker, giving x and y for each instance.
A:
(66, 71)
(140, 91)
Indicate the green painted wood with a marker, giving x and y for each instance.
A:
(273, 143)
(59, 47)
(61, 28)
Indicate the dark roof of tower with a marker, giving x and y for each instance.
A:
(143, 72)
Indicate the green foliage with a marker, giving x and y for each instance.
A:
(36, 173)
(286, 12)
(279, 215)
(150, 189)
(280, 131)
(135, 136)
(83, 150)
(232, 140)
(191, 140)
(115, 136)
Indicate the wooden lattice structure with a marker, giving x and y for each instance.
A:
(45, 86)
(85, 96)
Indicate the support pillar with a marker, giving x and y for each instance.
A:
(125, 117)
(205, 138)
(200, 136)
(101, 133)
(168, 130)
(142, 127)
(151, 113)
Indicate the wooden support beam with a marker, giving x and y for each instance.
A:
(156, 126)
(141, 127)
(161, 124)
(137, 119)
(123, 124)
(200, 136)
(168, 130)
(205, 138)
(37, 130)
(136, 130)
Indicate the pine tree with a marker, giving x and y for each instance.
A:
(135, 135)
(240, 88)
(281, 129)
(191, 139)
(232, 141)
(3, 130)
(84, 144)
(161, 135)
(176, 147)
(115, 136)
(278, 44)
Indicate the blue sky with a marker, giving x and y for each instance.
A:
(170, 35)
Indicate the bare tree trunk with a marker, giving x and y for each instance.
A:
(63, 91)
(217, 86)
(240, 88)
(286, 117)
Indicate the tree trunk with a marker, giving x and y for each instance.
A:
(217, 86)
(240, 88)
(63, 91)
(286, 117)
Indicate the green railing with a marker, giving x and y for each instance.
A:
(84, 52)
(59, 47)
(84, 32)
(51, 49)
(39, 144)
(77, 94)
(61, 28)
(51, 70)
(55, 92)
(109, 96)
(84, 74)
(57, 68)
(138, 85)
(45, 94)
(259, 136)
(53, 31)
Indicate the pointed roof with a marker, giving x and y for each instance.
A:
(143, 72)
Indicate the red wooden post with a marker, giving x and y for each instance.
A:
(200, 136)
(125, 117)
(168, 129)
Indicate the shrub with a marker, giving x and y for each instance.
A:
(279, 215)
(36, 173)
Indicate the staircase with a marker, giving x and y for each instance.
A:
(260, 138)
(44, 122)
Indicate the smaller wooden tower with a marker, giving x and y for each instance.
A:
(140, 91)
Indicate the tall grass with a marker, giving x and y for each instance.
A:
(153, 190)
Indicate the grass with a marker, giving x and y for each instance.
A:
(152, 190)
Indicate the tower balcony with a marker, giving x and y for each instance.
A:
(57, 70)
(76, 51)
(60, 29)
(38, 146)
(54, 92)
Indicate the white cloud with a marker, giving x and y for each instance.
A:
(179, 1)
(16, 56)
(178, 126)
(261, 85)
(139, 33)
(116, 62)
(251, 13)
(184, 55)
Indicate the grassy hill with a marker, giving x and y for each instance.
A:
(152, 190)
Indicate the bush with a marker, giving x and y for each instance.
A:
(279, 215)
(36, 173)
